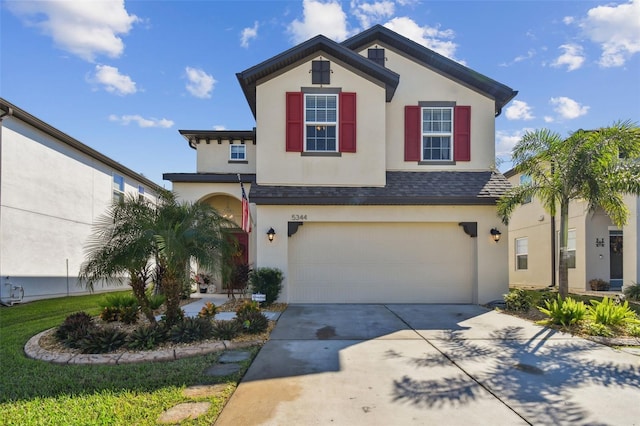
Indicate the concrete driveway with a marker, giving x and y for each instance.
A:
(430, 364)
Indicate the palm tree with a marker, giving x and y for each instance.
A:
(155, 242)
(599, 166)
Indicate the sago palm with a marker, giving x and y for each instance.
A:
(599, 166)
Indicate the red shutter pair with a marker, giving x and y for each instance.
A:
(461, 133)
(346, 125)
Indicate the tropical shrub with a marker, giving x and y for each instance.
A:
(102, 340)
(634, 330)
(253, 322)
(246, 307)
(632, 292)
(596, 329)
(564, 312)
(119, 300)
(517, 300)
(74, 325)
(146, 337)
(156, 300)
(190, 330)
(110, 314)
(607, 312)
(209, 310)
(267, 281)
(129, 314)
(226, 330)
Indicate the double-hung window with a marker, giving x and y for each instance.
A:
(522, 253)
(237, 152)
(118, 188)
(437, 133)
(321, 122)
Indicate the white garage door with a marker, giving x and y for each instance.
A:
(381, 263)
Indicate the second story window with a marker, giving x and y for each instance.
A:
(376, 55)
(321, 115)
(237, 152)
(118, 188)
(140, 193)
(437, 134)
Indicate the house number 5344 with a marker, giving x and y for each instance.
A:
(298, 217)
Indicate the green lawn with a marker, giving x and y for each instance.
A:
(38, 393)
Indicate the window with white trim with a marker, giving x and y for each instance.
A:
(321, 123)
(522, 253)
(237, 152)
(437, 133)
(140, 193)
(118, 188)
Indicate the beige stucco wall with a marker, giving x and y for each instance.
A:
(275, 166)
(418, 83)
(490, 272)
(631, 253)
(213, 157)
(51, 194)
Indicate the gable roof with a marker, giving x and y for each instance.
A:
(402, 188)
(8, 109)
(249, 78)
(500, 93)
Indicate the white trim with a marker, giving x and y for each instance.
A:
(321, 123)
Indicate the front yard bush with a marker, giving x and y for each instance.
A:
(226, 330)
(607, 312)
(632, 292)
(253, 322)
(102, 340)
(517, 300)
(190, 330)
(564, 312)
(267, 281)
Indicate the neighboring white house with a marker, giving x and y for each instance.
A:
(372, 160)
(52, 188)
(597, 248)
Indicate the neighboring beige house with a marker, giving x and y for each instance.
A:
(52, 188)
(598, 249)
(372, 160)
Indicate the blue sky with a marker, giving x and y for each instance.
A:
(124, 77)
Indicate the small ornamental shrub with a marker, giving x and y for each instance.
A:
(253, 322)
(267, 281)
(146, 337)
(246, 307)
(102, 340)
(119, 300)
(209, 310)
(156, 300)
(598, 284)
(110, 314)
(547, 296)
(595, 329)
(517, 300)
(226, 330)
(191, 330)
(564, 312)
(607, 312)
(632, 292)
(75, 324)
(633, 330)
(129, 314)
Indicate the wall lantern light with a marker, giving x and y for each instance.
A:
(495, 234)
(271, 234)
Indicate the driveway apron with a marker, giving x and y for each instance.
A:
(430, 364)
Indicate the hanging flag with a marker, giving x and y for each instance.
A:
(246, 214)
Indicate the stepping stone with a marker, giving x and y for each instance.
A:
(222, 370)
(234, 356)
(184, 411)
(202, 391)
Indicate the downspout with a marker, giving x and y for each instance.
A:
(3, 114)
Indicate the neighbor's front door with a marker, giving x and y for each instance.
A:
(615, 259)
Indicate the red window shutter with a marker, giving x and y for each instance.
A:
(295, 121)
(412, 136)
(347, 123)
(462, 133)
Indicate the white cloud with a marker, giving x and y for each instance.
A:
(113, 81)
(432, 37)
(219, 127)
(567, 108)
(319, 17)
(371, 13)
(616, 29)
(248, 34)
(125, 120)
(505, 141)
(568, 20)
(200, 83)
(83, 28)
(518, 110)
(530, 54)
(573, 57)
(548, 119)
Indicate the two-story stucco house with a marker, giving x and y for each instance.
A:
(371, 159)
(52, 189)
(597, 248)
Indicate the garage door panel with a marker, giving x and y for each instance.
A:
(380, 262)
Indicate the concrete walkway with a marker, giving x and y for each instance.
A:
(430, 364)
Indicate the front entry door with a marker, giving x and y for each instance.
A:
(615, 259)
